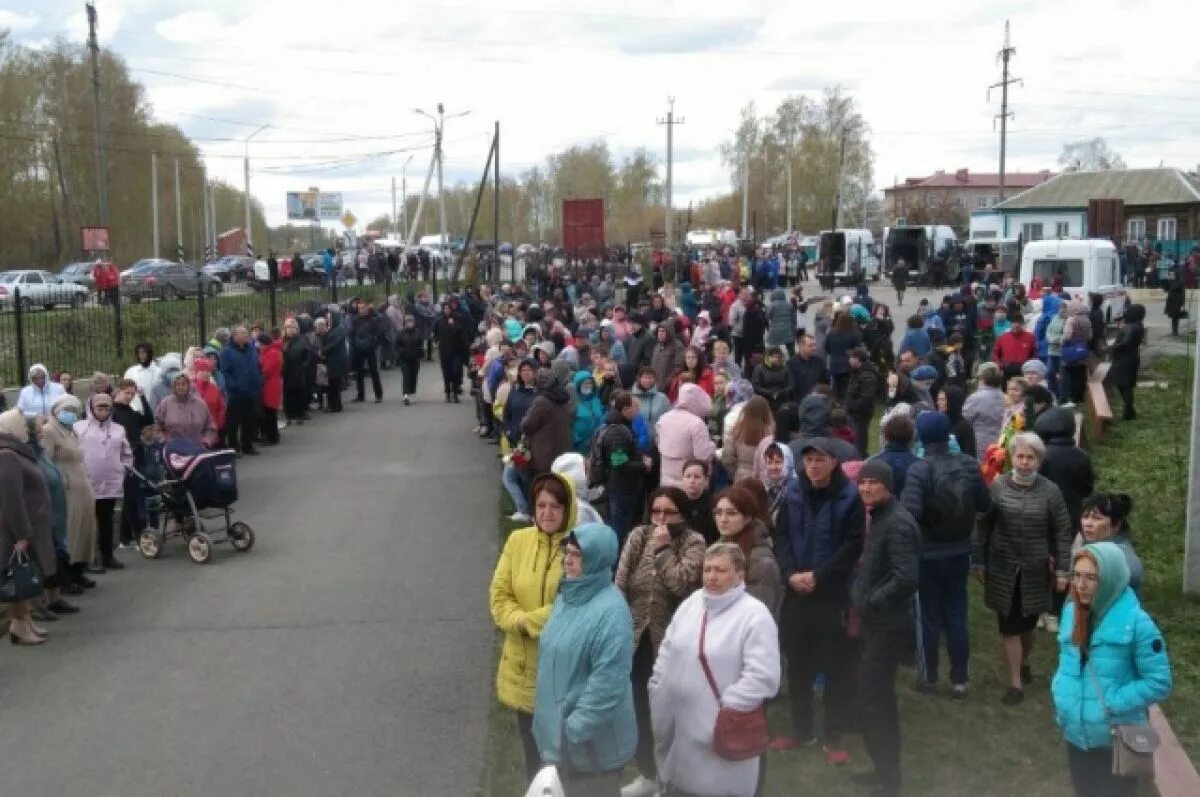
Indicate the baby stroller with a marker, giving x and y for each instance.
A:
(194, 501)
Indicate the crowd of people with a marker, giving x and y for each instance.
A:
(708, 519)
(70, 494)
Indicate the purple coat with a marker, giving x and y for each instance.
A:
(106, 452)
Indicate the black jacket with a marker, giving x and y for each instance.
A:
(887, 574)
(1126, 349)
(861, 392)
(807, 374)
(410, 344)
(754, 327)
(1066, 464)
(450, 332)
(333, 350)
(367, 331)
(616, 455)
(812, 420)
(698, 514)
(298, 361)
(773, 384)
(918, 488)
(133, 421)
(638, 348)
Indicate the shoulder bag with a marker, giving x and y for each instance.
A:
(1133, 746)
(738, 735)
(21, 579)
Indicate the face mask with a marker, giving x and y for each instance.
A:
(67, 418)
(891, 392)
(586, 390)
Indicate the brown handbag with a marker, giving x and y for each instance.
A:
(738, 735)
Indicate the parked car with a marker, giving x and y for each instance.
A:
(164, 279)
(231, 268)
(78, 274)
(39, 289)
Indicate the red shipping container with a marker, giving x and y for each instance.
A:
(583, 227)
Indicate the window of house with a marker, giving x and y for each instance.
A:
(981, 202)
(1062, 229)
(1135, 229)
(1031, 232)
(1166, 229)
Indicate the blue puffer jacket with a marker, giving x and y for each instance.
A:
(1127, 656)
(243, 378)
(589, 413)
(584, 659)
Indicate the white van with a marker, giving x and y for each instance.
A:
(1086, 266)
(920, 246)
(842, 251)
(434, 243)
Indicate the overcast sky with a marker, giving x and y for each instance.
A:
(338, 82)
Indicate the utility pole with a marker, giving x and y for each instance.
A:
(1191, 543)
(1006, 80)
(246, 165)
(790, 151)
(101, 154)
(395, 222)
(442, 237)
(154, 201)
(178, 217)
(837, 191)
(212, 211)
(495, 275)
(670, 122)
(207, 237)
(404, 198)
(766, 190)
(746, 191)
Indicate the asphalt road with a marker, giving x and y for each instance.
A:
(349, 653)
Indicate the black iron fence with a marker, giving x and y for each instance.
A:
(81, 333)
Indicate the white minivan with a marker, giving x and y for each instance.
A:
(843, 250)
(1086, 266)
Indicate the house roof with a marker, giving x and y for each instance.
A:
(1133, 186)
(964, 178)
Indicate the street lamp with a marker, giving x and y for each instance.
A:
(246, 163)
(439, 122)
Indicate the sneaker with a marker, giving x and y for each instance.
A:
(836, 756)
(958, 691)
(406, 402)
(1051, 624)
(519, 517)
(640, 787)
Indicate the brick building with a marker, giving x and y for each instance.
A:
(963, 190)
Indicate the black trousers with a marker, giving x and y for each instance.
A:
(133, 514)
(643, 668)
(241, 423)
(814, 641)
(409, 370)
(1091, 774)
(334, 392)
(452, 372)
(1130, 414)
(295, 401)
(862, 433)
(366, 361)
(105, 511)
(533, 759)
(878, 715)
(268, 425)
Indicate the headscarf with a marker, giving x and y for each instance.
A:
(738, 391)
(12, 423)
(776, 488)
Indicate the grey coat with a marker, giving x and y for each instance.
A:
(781, 319)
(1026, 532)
(984, 410)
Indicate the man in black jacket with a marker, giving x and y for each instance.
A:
(944, 492)
(882, 597)
(808, 369)
(366, 333)
(818, 538)
(861, 394)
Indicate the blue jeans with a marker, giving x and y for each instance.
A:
(512, 483)
(943, 595)
(622, 513)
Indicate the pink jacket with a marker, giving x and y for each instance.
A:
(106, 452)
(683, 434)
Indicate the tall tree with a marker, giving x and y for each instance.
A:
(1089, 155)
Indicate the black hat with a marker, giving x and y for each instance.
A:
(878, 470)
(822, 445)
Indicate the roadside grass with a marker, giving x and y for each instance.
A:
(980, 747)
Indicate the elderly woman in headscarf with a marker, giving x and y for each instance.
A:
(25, 517)
(737, 394)
(62, 448)
(106, 454)
(183, 414)
(39, 395)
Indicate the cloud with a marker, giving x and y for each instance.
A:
(813, 82)
(17, 22)
(190, 26)
(675, 37)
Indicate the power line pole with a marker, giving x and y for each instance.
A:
(837, 191)
(246, 166)
(443, 237)
(746, 191)
(790, 151)
(178, 217)
(101, 154)
(207, 237)
(154, 201)
(395, 221)
(670, 122)
(1004, 55)
(495, 275)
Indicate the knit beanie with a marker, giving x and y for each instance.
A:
(933, 427)
(878, 470)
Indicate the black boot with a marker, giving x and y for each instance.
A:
(79, 578)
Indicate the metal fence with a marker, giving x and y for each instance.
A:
(66, 332)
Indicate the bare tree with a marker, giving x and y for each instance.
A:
(1089, 155)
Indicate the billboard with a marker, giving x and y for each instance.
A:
(314, 206)
(94, 239)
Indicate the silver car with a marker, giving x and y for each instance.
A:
(39, 289)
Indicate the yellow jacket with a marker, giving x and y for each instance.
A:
(498, 413)
(523, 590)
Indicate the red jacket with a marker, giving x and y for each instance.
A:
(212, 397)
(1014, 349)
(105, 276)
(705, 383)
(270, 360)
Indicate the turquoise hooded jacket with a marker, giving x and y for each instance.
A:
(1127, 660)
(589, 413)
(584, 695)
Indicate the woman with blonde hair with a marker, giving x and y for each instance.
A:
(754, 429)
